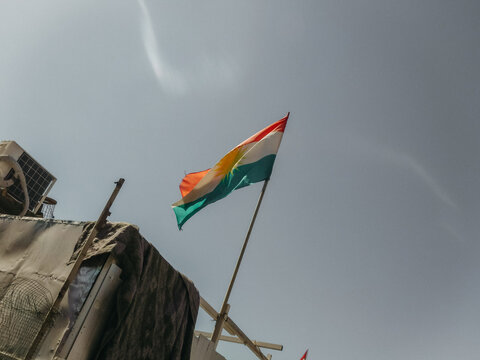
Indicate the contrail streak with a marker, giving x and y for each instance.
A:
(429, 180)
(400, 159)
(170, 79)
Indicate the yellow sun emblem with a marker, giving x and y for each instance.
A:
(229, 162)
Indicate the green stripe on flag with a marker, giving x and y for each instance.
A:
(240, 177)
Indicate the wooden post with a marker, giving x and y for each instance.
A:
(224, 311)
(236, 339)
(73, 273)
(239, 335)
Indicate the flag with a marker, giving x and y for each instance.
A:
(304, 357)
(249, 162)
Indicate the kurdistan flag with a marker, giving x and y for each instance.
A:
(249, 162)
(304, 357)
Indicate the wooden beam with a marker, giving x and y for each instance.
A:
(233, 329)
(238, 341)
(213, 313)
(246, 341)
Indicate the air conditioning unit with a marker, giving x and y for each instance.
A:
(39, 180)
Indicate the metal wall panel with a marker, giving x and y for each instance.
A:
(203, 349)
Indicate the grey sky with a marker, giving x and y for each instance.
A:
(366, 246)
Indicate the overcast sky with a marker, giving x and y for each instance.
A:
(366, 245)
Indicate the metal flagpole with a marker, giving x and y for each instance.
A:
(222, 316)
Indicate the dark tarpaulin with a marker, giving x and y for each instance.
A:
(156, 306)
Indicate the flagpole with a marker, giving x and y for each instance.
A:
(225, 307)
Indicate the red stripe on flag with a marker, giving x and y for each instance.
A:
(190, 180)
(276, 126)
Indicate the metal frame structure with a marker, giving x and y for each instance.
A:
(11, 151)
(82, 341)
(74, 271)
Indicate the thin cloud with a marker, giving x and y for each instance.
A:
(398, 158)
(170, 79)
(427, 178)
(204, 71)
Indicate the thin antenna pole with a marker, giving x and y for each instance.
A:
(225, 307)
(73, 273)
